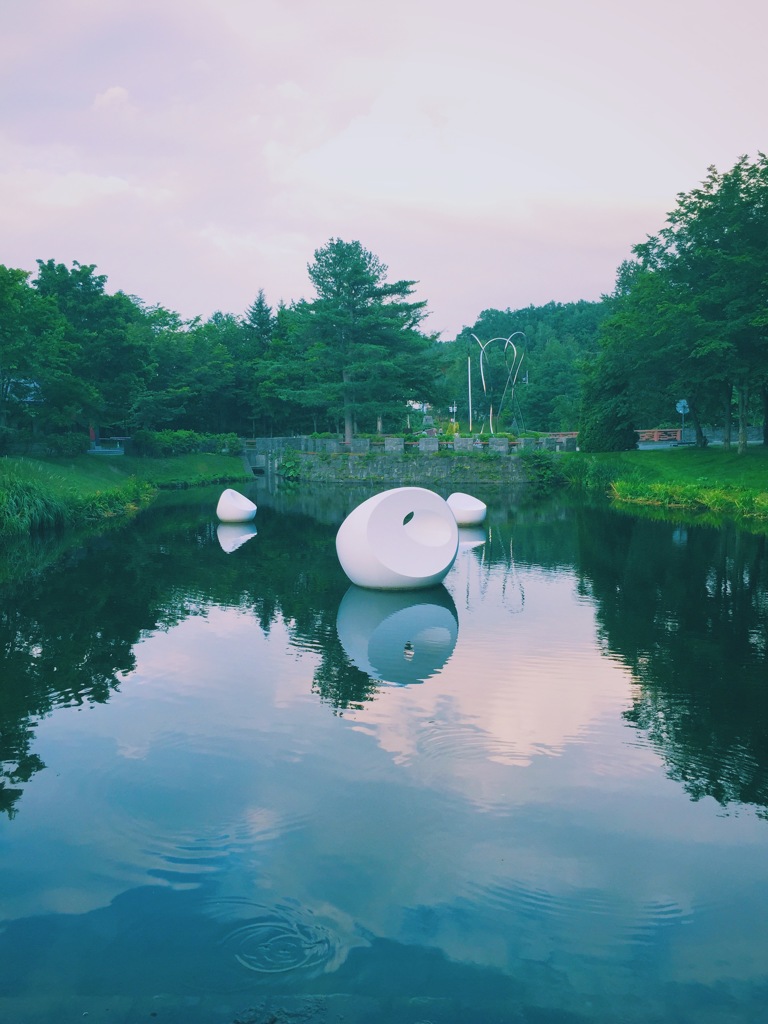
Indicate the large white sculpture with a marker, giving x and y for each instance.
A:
(468, 510)
(234, 507)
(398, 637)
(232, 536)
(398, 540)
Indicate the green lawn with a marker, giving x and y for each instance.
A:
(711, 480)
(712, 466)
(38, 494)
(88, 474)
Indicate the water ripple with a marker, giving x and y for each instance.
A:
(277, 938)
(454, 741)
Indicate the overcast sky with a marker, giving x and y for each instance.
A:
(501, 153)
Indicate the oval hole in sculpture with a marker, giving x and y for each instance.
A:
(407, 518)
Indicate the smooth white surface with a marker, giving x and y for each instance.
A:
(468, 510)
(400, 539)
(232, 536)
(397, 636)
(471, 537)
(234, 507)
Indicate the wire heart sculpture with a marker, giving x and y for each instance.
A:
(512, 367)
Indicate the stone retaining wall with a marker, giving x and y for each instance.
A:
(410, 469)
(427, 462)
(363, 445)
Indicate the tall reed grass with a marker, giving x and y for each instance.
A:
(738, 502)
(25, 506)
(31, 501)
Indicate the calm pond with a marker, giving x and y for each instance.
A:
(236, 789)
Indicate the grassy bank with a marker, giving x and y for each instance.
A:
(40, 494)
(710, 480)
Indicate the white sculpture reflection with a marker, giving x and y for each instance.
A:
(471, 537)
(399, 539)
(487, 564)
(398, 637)
(468, 510)
(232, 536)
(234, 507)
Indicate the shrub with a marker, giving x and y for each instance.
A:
(542, 469)
(290, 465)
(607, 435)
(67, 445)
(590, 474)
(8, 439)
(163, 443)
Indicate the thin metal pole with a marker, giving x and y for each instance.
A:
(469, 388)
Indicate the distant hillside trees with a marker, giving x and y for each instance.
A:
(556, 342)
(74, 358)
(687, 320)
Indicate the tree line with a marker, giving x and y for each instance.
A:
(73, 357)
(687, 320)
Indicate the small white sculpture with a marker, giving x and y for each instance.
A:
(469, 511)
(398, 637)
(234, 507)
(232, 536)
(398, 540)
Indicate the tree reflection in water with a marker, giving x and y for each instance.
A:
(686, 609)
(67, 632)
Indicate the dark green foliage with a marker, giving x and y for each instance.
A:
(32, 351)
(605, 430)
(9, 439)
(591, 475)
(106, 344)
(163, 443)
(290, 465)
(27, 505)
(543, 470)
(606, 419)
(364, 356)
(558, 339)
(688, 315)
(606, 435)
(260, 323)
(66, 444)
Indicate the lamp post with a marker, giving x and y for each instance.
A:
(469, 385)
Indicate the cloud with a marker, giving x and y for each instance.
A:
(114, 96)
(498, 155)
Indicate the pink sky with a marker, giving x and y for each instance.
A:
(502, 154)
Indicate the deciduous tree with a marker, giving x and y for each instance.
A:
(713, 259)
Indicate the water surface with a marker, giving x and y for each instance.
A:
(238, 789)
